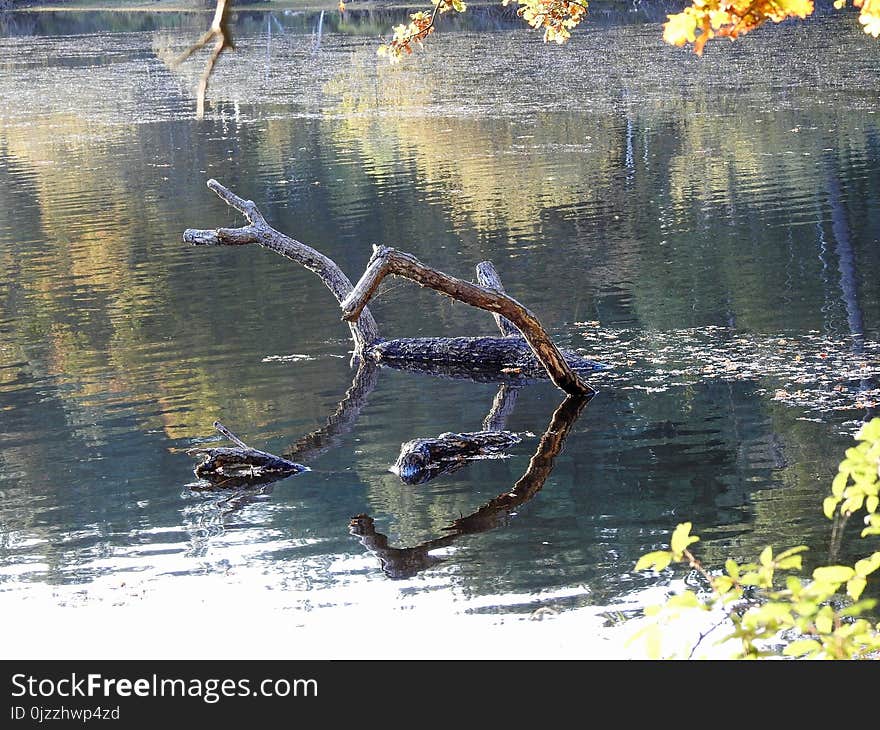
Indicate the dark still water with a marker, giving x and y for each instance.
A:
(706, 227)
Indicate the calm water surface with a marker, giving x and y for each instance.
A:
(707, 227)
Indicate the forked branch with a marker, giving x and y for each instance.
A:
(364, 329)
(387, 261)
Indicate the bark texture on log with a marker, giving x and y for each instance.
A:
(228, 467)
(387, 261)
(496, 356)
(364, 329)
(423, 459)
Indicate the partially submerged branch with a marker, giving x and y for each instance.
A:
(408, 561)
(421, 460)
(227, 466)
(364, 329)
(511, 358)
(388, 261)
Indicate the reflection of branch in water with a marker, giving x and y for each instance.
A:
(406, 562)
(502, 406)
(221, 35)
(342, 419)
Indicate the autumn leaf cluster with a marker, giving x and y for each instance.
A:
(698, 23)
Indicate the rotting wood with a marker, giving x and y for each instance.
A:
(388, 261)
(423, 459)
(234, 466)
(494, 358)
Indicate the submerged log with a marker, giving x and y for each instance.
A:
(388, 261)
(423, 459)
(228, 467)
(492, 356)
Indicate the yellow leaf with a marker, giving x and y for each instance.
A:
(798, 8)
(833, 574)
(681, 538)
(855, 586)
(680, 29)
(657, 560)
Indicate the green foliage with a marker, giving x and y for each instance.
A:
(770, 612)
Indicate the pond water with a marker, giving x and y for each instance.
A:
(707, 227)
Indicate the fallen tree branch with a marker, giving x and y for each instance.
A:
(225, 467)
(423, 459)
(387, 261)
(506, 359)
(364, 330)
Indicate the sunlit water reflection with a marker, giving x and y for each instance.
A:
(706, 227)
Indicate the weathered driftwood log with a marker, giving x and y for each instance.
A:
(482, 356)
(505, 359)
(405, 562)
(388, 261)
(423, 459)
(226, 466)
